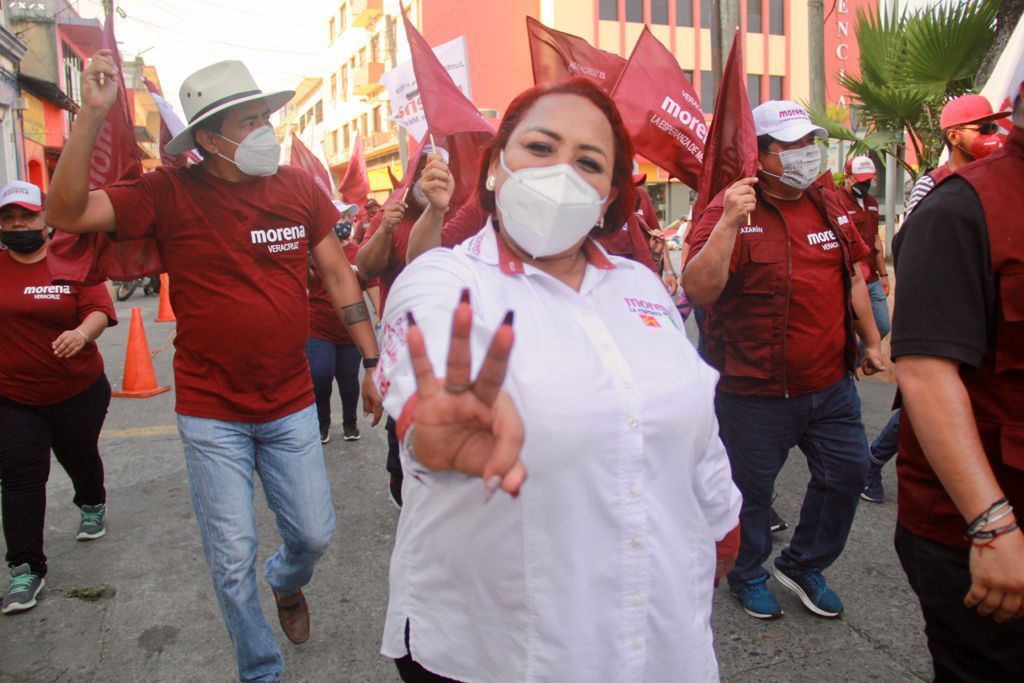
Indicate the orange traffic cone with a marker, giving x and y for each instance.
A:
(139, 377)
(165, 314)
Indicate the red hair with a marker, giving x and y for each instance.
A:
(622, 170)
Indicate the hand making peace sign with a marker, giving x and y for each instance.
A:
(471, 426)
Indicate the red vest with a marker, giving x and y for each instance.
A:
(866, 221)
(745, 329)
(996, 388)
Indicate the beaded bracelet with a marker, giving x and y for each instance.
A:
(985, 518)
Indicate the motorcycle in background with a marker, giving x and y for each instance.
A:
(150, 286)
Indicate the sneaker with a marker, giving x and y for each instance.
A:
(395, 490)
(325, 434)
(22, 590)
(351, 432)
(756, 599)
(776, 523)
(92, 525)
(813, 591)
(873, 491)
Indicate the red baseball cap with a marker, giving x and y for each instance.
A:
(20, 193)
(860, 169)
(968, 109)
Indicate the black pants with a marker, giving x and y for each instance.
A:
(964, 645)
(27, 433)
(394, 465)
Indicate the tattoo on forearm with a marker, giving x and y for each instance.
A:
(355, 313)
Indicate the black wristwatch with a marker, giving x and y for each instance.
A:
(370, 362)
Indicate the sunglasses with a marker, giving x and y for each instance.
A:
(990, 128)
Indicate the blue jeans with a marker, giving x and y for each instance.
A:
(879, 307)
(330, 362)
(884, 447)
(758, 433)
(220, 458)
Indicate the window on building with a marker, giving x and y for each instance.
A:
(334, 87)
(391, 45)
(343, 19)
(319, 109)
(302, 123)
(659, 12)
(374, 49)
(364, 122)
(776, 17)
(684, 12)
(775, 87)
(689, 75)
(705, 14)
(73, 67)
(345, 138)
(362, 55)
(754, 89)
(330, 30)
(378, 119)
(333, 141)
(635, 10)
(609, 9)
(754, 16)
(344, 81)
(707, 91)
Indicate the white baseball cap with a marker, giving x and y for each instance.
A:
(20, 193)
(347, 210)
(784, 120)
(860, 169)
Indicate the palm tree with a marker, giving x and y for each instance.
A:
(911, 64)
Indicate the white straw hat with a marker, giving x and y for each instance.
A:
(215, 88)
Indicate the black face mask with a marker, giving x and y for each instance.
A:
(22, 241)
(861, 189)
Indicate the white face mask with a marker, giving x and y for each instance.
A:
(800, 167)
(258, 154)
(547, 209)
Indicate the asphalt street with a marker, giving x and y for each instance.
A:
(158, 620)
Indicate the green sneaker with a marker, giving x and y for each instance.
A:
(22, 590)
(92, 525)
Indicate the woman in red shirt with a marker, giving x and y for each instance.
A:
(53, 393)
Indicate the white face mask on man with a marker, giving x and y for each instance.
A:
(258, 154)
(547, 209)
(800, 167)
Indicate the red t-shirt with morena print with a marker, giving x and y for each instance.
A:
(236, 255)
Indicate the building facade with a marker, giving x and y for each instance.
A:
(365, 39)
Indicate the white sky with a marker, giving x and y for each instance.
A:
(280, 42)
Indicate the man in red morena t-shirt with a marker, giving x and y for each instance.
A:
(783, 294)
(233, 234)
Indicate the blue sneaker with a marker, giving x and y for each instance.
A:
(813, 591)
(756, 599)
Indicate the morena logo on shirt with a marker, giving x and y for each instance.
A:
(648, 311)
(47, 292)
(826, 238)
(279, 239)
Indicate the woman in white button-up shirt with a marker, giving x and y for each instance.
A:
(598, 421)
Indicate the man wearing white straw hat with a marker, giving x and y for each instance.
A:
(234, 233)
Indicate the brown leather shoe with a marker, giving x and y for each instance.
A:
(293, 613)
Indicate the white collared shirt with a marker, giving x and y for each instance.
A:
(602, 569)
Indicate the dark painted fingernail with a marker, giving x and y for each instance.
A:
(509, 317)
(464, 296)
(410, 319)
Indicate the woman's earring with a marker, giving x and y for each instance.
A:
(600, 222)
(490, 183)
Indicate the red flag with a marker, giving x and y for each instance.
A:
(355, 186)
(395, 182)
(302, 157)
(661, 111)
(557, 56)
(170, 125)
(732, 143)
(96, 257)
(452, 118)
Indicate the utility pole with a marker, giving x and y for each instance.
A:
(816, 50)
(403, 145)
